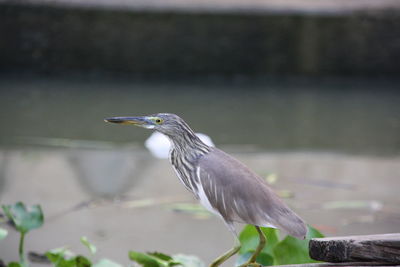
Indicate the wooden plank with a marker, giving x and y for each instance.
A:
(368, 248)
(346, 264)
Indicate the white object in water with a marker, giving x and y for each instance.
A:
(159, 145)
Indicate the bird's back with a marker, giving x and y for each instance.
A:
(238, 194)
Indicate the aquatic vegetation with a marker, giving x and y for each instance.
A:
(288, 250)
(24, 220)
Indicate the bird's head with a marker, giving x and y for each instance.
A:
(166, 123)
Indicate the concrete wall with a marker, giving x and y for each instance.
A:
(51, 39)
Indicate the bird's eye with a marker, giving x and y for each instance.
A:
(158, 121)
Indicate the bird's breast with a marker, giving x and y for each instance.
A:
(185, 170)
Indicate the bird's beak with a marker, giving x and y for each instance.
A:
(138, 121)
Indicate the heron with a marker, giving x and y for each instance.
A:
(222, 184)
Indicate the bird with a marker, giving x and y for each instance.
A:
(222, 184)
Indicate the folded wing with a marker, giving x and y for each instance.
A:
(238, 194)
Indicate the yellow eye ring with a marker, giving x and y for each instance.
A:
(158, 121)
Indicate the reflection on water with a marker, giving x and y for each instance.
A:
(337, 191)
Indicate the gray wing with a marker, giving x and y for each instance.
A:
(238, 194)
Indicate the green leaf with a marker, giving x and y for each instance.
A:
(160, 256)
(3, 233)
(272, 237)
(157, 259)
(81, 261)
(53, 257)
(66, 263)
(249, 239)
(24, 219)
(92, 248)
(14, 264)
(187, 260)
(63, 251)
(59, 260)
(106, 263)
(291, 251)
(145, 260)
(263, 258)
(295, 251)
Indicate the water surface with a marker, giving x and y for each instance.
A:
(344, 116)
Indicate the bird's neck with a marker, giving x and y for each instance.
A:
(188, 144)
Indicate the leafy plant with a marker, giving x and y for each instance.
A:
(24, 220)
(277, 251)
(289, 250)
(157, 259)
(59, 259)
(65, 258)
(286, 251)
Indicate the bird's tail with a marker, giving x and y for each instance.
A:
(291, 223)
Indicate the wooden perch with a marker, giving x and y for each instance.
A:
(347, 264)
(368, 248)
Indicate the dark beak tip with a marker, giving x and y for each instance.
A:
(114, 120)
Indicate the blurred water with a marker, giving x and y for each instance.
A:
(333, 145)
(344, 116)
